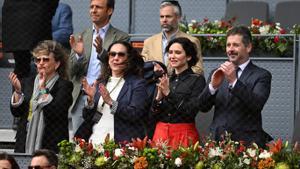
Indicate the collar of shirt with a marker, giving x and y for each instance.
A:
(183, 75)
(243, 66)
(102, 31)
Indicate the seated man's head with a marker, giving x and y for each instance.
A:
(44, 159)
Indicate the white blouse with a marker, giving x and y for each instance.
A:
(106, 123)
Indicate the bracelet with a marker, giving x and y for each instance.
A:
(44, 91)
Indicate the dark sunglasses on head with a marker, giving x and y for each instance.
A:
(113, 54)
(39, 59)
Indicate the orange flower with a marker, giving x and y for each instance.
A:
(256, 22)
(141, 163)
(139, 144)
(266, 163)
(275, 146)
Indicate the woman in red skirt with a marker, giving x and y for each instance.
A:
(171, 107)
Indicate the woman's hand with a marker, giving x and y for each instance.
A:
(15, 82)
(42, 80)
(90, 90)
(105, 94)
(163, 85)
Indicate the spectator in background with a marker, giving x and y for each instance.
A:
(117, 103)
(155, 46)
(46, 103)
(44, 158)
(24, 24)
(176, 119)
(87, 48)
(8, 162)
(62, 26)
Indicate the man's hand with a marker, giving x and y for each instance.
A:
(229, 70)
(98, 44)
(217, 78)
(77, 46)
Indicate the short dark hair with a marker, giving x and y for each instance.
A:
(134, 64)
(174, 3)
(188, 46)
(243, 31)
(11, 159)
(49, 154)
(111, 4)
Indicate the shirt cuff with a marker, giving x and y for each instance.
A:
(16, 104)
(212, 90)
(114, 107)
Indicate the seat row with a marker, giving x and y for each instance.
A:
(286, 12)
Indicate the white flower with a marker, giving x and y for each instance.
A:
(264, 29)
(133, 159)
(178, 162)
(193, 21)
(215, 152)
(77, 149)
(118, 152)
(265, 154)
(161, 165)
(99, 148)
(251, 152)
(246, 161)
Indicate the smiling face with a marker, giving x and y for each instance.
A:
(168, 19)
(47, 64)
(177, 58)
(117, 59)
(236, 50)
(99, 12)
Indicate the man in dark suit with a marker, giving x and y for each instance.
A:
(24, 24)
(87, 48)
(238, 89)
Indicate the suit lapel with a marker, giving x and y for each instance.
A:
(109, 37)
(88, 46)
(247, 72)
(158, 48)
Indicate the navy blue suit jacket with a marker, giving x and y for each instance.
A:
(130, 117)
(238, 110)
(62, 26)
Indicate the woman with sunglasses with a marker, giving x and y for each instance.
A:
(176, 119)
(116, 102)
(43, 106)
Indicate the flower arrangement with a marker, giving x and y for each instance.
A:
(268, 37)
(144, 154)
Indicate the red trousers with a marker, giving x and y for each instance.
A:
(176, 134)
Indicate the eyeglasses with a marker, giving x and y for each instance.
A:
(39, 59)
(38, 167)
(113, 54)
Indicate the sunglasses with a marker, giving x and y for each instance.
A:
(113, 54)
(44, 59)
(38, 167)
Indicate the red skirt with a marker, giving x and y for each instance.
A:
(176, 134)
